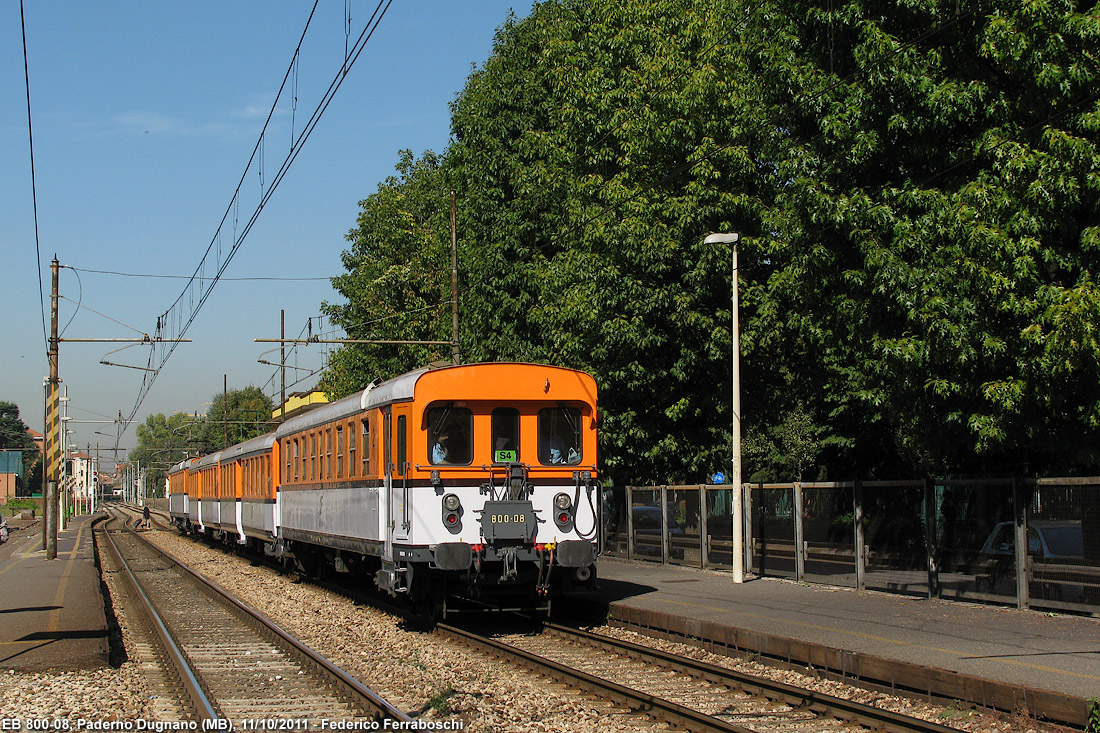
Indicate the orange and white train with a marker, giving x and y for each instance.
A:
(475, 481)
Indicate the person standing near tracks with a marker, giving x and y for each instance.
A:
(145, 516)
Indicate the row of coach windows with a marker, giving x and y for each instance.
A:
(332, 452)
(451, 439)
(256, 481)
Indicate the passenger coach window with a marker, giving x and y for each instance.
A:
(313, 457)
(340, 451)
(366, 447)
(352, 465)
(450, 434)
(297, 461)
(328, 454)
(559, 436)
(505, 435)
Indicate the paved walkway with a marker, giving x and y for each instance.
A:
(51, 611)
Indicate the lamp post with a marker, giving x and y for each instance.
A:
(738, 558)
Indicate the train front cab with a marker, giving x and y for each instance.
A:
(489, 487)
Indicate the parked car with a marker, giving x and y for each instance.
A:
(647, 533)
(1053, 548)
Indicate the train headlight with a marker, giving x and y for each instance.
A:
(452, 513)
(563, 512)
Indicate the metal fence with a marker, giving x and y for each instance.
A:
(1025, 542)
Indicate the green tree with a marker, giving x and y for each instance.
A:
(163, 442)
(935, 231)
(398, 284)
(916, 183)
(234, 417)
(589, 148)
(14, 436)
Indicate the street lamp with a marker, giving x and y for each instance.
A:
(735, 403)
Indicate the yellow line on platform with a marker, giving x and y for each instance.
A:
(55, 615)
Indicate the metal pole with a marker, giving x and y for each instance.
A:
(455, 357)
(735, 408)
(735, 400)
(53, 425)
(282, 365)
(45, 462)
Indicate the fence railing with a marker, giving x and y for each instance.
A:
(1023, 542)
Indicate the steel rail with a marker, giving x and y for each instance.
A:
(356, 690)
(659, 707)
(866, 715)
(200, 703)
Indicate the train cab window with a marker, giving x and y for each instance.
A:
(450, 436)
(559, 436)
(505, 435)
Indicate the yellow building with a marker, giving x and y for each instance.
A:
(299, 402)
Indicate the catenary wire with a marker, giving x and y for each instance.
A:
(150, 377)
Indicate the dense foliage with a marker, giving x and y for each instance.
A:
(916, 183)
(231, 418)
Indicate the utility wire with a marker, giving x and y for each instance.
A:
(103, 315)
(79, 300)
(189, 277)
(34, 192)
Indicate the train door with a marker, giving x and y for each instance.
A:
(400, 509)
(385, 522)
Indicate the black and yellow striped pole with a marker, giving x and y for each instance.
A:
(52, 433)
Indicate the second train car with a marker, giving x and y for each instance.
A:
(475, 482)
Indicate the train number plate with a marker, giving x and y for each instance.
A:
(508, 520)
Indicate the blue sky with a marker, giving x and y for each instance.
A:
(144, 117)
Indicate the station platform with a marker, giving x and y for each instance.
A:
(1015, 661)
(51, 611)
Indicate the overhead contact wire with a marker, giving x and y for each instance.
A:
(239, 238)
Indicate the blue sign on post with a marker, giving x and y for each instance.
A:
(718, 478)
(11, 461)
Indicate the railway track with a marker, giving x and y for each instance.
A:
(231, 662)
(647, 683)
(680, 691)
